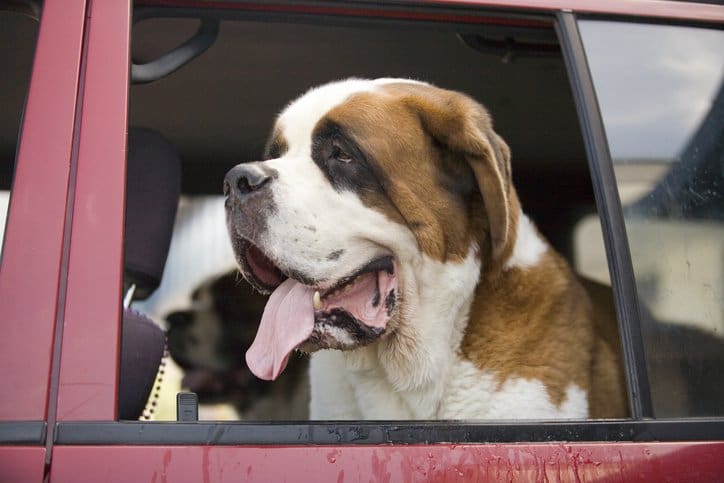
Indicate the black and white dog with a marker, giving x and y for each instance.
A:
(209, 339)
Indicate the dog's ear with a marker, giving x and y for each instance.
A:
(464, 126)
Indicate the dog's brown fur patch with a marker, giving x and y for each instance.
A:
(533, 323)
(394, 126)
(538, 323)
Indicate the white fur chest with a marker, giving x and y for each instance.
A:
(466, 393)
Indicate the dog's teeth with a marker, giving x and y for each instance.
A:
(317, 300)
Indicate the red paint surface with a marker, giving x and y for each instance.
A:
(91, 335)
(648, 8)
(22, 464)
(625, 462)
(31, 257)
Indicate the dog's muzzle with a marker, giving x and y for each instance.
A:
(249, 200)
(245, 181)
(302, 312)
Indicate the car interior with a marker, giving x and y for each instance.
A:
(218, 107)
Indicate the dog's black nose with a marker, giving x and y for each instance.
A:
(244, 179)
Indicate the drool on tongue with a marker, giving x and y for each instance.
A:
(288, 321)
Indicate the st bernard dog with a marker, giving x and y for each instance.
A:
(386, 228)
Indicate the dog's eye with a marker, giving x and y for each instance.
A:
(340, 155)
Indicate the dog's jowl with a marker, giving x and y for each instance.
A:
(385, 225)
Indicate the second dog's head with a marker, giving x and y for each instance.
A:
(216, 328)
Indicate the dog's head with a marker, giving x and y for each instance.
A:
(370, 191)
(207, 336)
(221, 317)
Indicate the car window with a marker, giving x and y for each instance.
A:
(661, 94)
(18, 28)
(218, 110)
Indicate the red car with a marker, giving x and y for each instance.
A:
(615, 115)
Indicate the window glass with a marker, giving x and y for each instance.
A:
(18, 34)
(662, 101)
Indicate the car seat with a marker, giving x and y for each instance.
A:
(153, 179)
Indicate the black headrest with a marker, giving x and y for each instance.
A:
(142, 347)
(153, 183)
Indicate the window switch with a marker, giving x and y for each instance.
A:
(187, 406)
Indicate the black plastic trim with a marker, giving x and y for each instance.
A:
(173, 60)
(376, 433)
(369, 19)
(612, 222)
(26, 433)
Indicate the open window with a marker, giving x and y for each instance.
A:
(218, 109)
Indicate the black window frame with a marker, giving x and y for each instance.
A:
(612, 222)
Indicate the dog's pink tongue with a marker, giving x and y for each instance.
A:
(288, 321)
